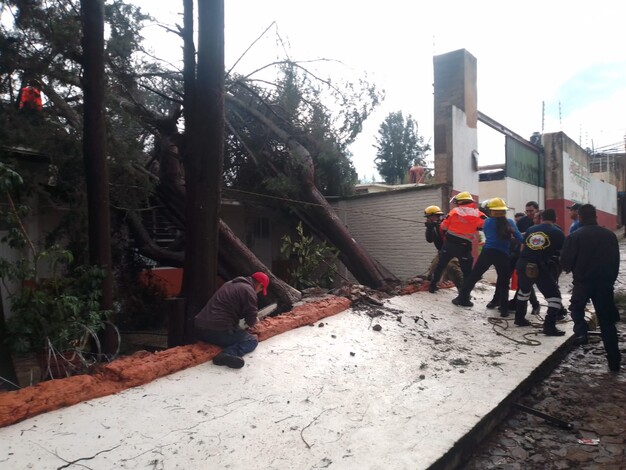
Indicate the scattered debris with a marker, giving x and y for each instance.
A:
(589, 442)
(377, 327)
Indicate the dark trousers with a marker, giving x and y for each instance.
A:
(546, 285)
(601, 294)
(490, 257)
(452, 249)
(235, 343)
(533, 297)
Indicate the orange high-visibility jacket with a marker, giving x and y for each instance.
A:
(463, 222)
(31, 98)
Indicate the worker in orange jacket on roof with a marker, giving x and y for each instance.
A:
(461, 231)
(30, 98)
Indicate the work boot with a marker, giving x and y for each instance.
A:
(520, 313)
(504, 312)
(614, 363)
(493, 303)
(462, 302)
(552, 330)
(228, 360)
(580, 340)
(432, 288)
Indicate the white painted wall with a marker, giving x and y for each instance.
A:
(464, 141)
(390, 226)
(519, 193)
(603, 195)
(515, 193)
(576, 179)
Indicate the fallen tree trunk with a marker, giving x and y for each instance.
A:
(323, 216)
(234, 257)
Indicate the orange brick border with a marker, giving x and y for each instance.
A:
(143, 367)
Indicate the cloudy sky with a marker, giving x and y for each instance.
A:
(566, 57)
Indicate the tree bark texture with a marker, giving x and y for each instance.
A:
(94, 154)
(203, 155)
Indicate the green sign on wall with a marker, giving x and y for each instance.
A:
(524, 163)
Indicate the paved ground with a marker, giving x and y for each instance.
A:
(580, 392)
(342, 393)
(395, 387)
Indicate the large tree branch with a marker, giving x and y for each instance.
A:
(357, 260)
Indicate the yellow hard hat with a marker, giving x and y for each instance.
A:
(497, 204)
(464, 196)
(433, 210)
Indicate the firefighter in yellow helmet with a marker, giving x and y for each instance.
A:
(460, 228)
(434, 216)
(499, 231)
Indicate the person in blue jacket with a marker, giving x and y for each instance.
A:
(499, 232)
(573, 214)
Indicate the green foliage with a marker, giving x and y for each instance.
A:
(56, 312)
(398, 147)
(300, 104)
(313, 262)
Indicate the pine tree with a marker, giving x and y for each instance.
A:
(398, 147)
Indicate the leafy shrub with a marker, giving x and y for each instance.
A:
(313, 263)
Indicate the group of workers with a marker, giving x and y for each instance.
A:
(537, 250)
(534, 246)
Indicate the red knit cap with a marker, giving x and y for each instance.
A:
(262, 278)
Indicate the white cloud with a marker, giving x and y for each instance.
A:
(525, 51)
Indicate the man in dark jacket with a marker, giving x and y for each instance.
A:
(541, 243)
(527, 220)
(591, 253)
(218, 321)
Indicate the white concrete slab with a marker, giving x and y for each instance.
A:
(341, 396)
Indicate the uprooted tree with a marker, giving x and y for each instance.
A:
(280, 139)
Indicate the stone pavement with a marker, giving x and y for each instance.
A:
(580, 391)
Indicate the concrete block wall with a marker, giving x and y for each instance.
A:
(390, 226)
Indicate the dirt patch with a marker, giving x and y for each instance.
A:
(143, 367)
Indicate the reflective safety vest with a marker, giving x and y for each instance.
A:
(464, 222)
(30, 98)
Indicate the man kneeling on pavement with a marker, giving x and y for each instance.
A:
(218, 321)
